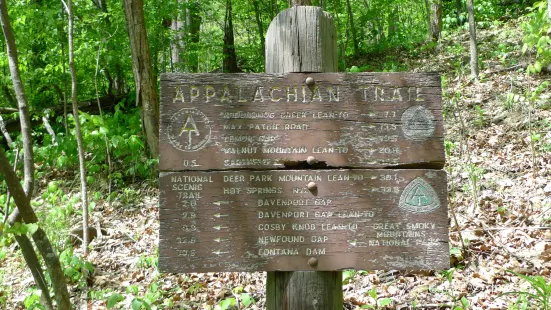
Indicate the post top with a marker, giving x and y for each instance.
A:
(301, 2)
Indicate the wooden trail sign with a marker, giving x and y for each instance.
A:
(269, 121)
(364, 192)
(243, 220)
(303, 220)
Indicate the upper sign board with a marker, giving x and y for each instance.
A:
(269, 121)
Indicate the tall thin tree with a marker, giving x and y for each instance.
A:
(436, 20)
(428, 16)
(352, 28)
(458, 9)
(146, 87)
(472, 33)
(78, 133)
(177, 44)
(257, 14)
(230, 56)
(22, 194)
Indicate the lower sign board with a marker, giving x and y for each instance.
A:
(303, 220)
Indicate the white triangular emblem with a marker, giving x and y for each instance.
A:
(419, 197)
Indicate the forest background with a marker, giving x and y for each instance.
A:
(93, 178)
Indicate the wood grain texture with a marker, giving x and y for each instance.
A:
(301, 39)
(304, 290)
(272, 121)
(270, 221)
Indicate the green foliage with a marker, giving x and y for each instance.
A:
(475, 174)
(32, 300)
(512, 100)
(5, 290)
(521, 303)
(239, 298)
(449, 146)
(379, 302)
(348, 275)
(120, 130)
(20, 229)
(456, 252)
(504, 53)
(459, 303)
(536, 37)
(113, 299)
(448, 274)
(487, 14)
(538, 285)
(148, 261)
(545, 139)
(480, 118)
(152, 298)
(74, 267)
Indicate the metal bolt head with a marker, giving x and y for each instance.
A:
(313, 262)
(311, 160)
(310, 81)
(312, 186)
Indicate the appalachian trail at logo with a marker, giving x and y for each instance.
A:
(417, 123)
(419, 197)
(189, 130)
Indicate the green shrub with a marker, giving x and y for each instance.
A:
(536, 37)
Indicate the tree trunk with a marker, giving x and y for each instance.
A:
(429, 24)
(102, 6)
(27, 249)
(273, 9)
(352, 28)
(36, 269)
(472, 33)
(458, 9)
(20, 97)
(146, 87)
(193, 28)
(22, 195)
(78, 133)
(25, 212)
(287, 35)
(230, 57)
(436, 20)
(391, 22)
(177, 43)
(5, 133)
(63, 98)
(260, 26)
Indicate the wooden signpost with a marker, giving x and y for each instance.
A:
(288, 172)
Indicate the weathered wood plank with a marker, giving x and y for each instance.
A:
(271, 220)
(261, 121)
(301, 39)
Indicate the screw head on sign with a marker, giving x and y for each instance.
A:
(310, 81)
(311, 160)
(312, 186)
(313, 262)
